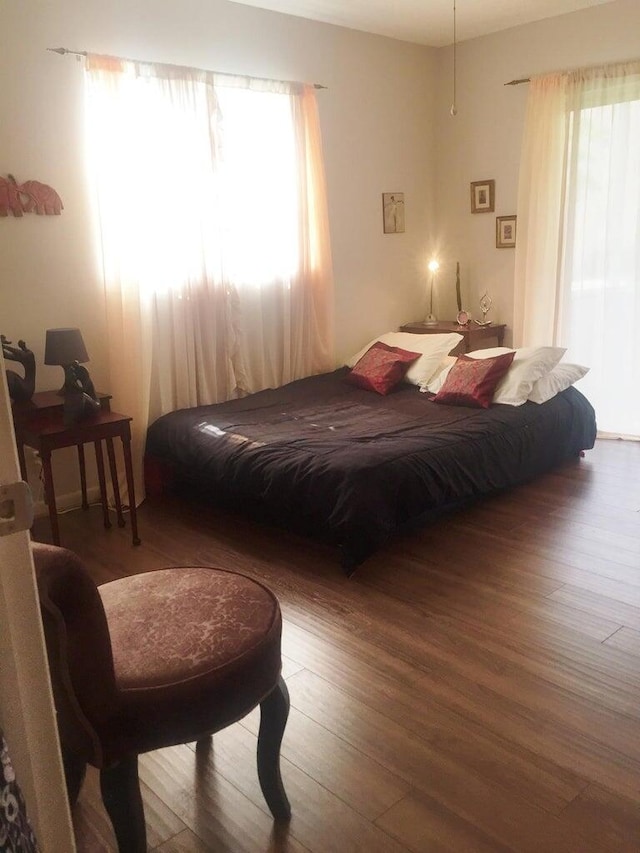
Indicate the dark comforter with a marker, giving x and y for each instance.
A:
(347, 466)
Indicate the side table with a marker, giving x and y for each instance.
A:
(471, 334)
(39, 424)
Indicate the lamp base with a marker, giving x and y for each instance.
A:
(431, 320)
(77, 406)
(71, 385)
(77, 381)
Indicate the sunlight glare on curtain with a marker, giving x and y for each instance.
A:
(600, 310)
(257, 185)
(212, 231)
(177, 192)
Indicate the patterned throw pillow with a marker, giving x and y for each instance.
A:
(431, 348)
(381, 368)
(472, 381)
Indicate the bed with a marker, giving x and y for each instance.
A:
(353, 468)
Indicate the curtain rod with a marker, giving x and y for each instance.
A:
(64, 51)
(517, 82)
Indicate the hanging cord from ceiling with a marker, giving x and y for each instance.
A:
(454, 108)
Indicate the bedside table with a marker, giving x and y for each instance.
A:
(472, 334)
(39, 423)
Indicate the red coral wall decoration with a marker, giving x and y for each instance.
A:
(28, 197)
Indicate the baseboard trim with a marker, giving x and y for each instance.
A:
(67, 502)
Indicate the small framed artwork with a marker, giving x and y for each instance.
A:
(393, 213)
(505, 232)
(483, 196)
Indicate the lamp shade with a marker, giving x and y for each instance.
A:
(64, 346)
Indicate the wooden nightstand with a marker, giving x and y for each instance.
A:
(474, 336)
(39, 424)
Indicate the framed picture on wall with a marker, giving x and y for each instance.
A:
(505, 232)
(393, 213)
(483, 196)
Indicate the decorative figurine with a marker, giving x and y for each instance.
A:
(21, 388)
(80, 398)
(30, 196)
(485, 306)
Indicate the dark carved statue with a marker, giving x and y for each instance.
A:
(21, 388)
(77, 380)
(80, 398)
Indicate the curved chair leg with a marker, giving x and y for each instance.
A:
(274, 711)
(75, 768)
(122, 799)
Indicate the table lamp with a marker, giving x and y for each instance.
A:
(432, 320)
(66, 348)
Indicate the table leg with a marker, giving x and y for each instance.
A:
(50, 495)
(114, 480)
(500, 337)
(83, 476)
(103, 483)
(128, 466)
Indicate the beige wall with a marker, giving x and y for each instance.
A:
(484, 139)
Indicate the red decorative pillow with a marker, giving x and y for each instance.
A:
(472, 381)
(382, 367)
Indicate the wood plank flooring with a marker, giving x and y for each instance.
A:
(473, 687)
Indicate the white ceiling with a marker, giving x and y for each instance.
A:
(427, 22)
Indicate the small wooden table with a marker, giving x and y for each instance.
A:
(39, 423)
(471, 334)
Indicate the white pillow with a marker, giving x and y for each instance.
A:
(528, 366)
(561, 377)
(432, 348)
(437, 380)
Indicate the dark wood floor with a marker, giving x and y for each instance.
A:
(474, 686)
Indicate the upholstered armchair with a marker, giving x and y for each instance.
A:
(153, 660)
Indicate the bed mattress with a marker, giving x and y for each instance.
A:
(350, 467)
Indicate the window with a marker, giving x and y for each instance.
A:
(213, 237)
(578, 253)
(601, 265)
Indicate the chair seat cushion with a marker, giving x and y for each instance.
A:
(194, 649)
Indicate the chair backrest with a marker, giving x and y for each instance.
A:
(78, 648)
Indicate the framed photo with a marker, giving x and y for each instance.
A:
(393, 213)
(505, 232)
(483, 196)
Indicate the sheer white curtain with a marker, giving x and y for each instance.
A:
(213, 232)
(578, 254)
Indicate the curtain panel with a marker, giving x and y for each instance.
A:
(213, 234)
(577, 266)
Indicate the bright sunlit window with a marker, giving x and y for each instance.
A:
(258, 185)
(211, 231)
(601, 294)
(180, 212)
